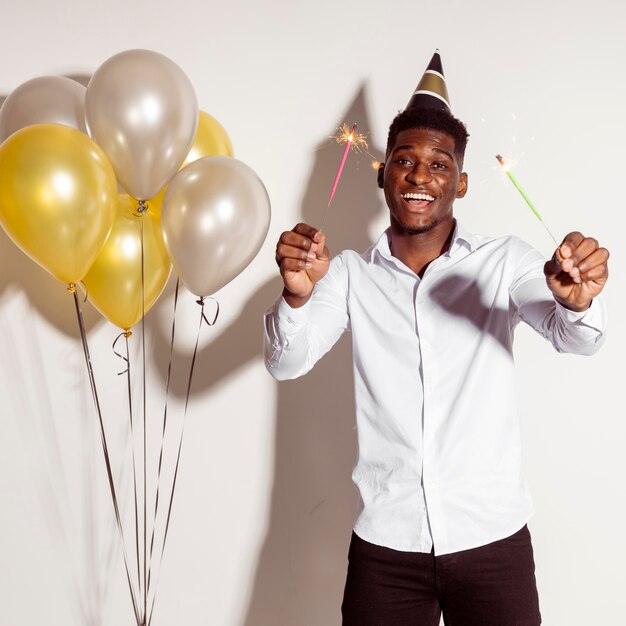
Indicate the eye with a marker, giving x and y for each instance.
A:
(440, 166)
(403, 161)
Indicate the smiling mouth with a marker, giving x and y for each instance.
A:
(418, 199)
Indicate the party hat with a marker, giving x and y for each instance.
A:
(431, 92)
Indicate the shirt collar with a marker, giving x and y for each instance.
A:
(461, 238)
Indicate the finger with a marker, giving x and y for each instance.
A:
(323, 254)
(296, 241)
(600, 256)
(568, 245)
(294, 265)
(554, 266)
(585, 248)
(598, 274)
(308, 231)
(293, 252)
(320, 240)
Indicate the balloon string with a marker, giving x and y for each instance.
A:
(126, 334)
(143, 358)
(167, 389)
(86, 290)
(203, 318)
(105, 448)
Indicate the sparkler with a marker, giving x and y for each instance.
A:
(349, 142)
(347, 137)
(524, 195)
(351, 139)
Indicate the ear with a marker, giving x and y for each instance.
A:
(381, 175)
(461, 190)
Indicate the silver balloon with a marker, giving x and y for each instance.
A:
(215, 216)
(143, 112)
(46, 99)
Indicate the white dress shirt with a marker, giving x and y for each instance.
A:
(438, 427)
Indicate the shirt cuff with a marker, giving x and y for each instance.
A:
(289, 319)
(594, 316)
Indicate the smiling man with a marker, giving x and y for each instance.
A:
(432, 308)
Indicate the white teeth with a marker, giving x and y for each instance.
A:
(418, 196)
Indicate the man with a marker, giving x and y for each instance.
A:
(432, 311)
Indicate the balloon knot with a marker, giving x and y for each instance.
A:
(142, 206)
(71, 287)
(128, 333)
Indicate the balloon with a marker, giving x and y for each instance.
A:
(114, 280)
(42, 100)
(215, 217)
(143, 111)
(210, 140)
(57, 197)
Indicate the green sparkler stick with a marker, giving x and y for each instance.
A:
(524, 195)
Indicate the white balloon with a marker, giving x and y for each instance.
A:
(215, 217)
(42, 100)
(142, 110)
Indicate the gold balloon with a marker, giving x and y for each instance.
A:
(114, 280)
(57, 197)
(210, 140)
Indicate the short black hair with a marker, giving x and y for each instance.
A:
(436, 119)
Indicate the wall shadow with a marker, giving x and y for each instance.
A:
(46, 294)
(301, 566)
(453, 293)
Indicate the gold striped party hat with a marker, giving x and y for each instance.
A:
(431, 92)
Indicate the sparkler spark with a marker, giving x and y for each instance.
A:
(358, 141)
(345, 134)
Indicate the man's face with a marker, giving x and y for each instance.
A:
(421, 179)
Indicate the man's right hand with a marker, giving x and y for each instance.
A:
(303, 259)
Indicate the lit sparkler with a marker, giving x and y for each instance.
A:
(359, 141)
(352, 139)
(524, 195)
(349, 143)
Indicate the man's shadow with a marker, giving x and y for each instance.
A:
(302, 563)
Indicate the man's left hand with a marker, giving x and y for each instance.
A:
(577, 271)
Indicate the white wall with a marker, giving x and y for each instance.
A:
(264, 501)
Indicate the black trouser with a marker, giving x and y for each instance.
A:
(493, 585)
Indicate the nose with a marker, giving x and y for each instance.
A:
(419, 175)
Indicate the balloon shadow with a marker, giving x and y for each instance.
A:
(301, 566)
(35, 413)
(83, 79)
(46, 294)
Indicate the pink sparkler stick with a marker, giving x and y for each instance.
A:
(344, 156)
